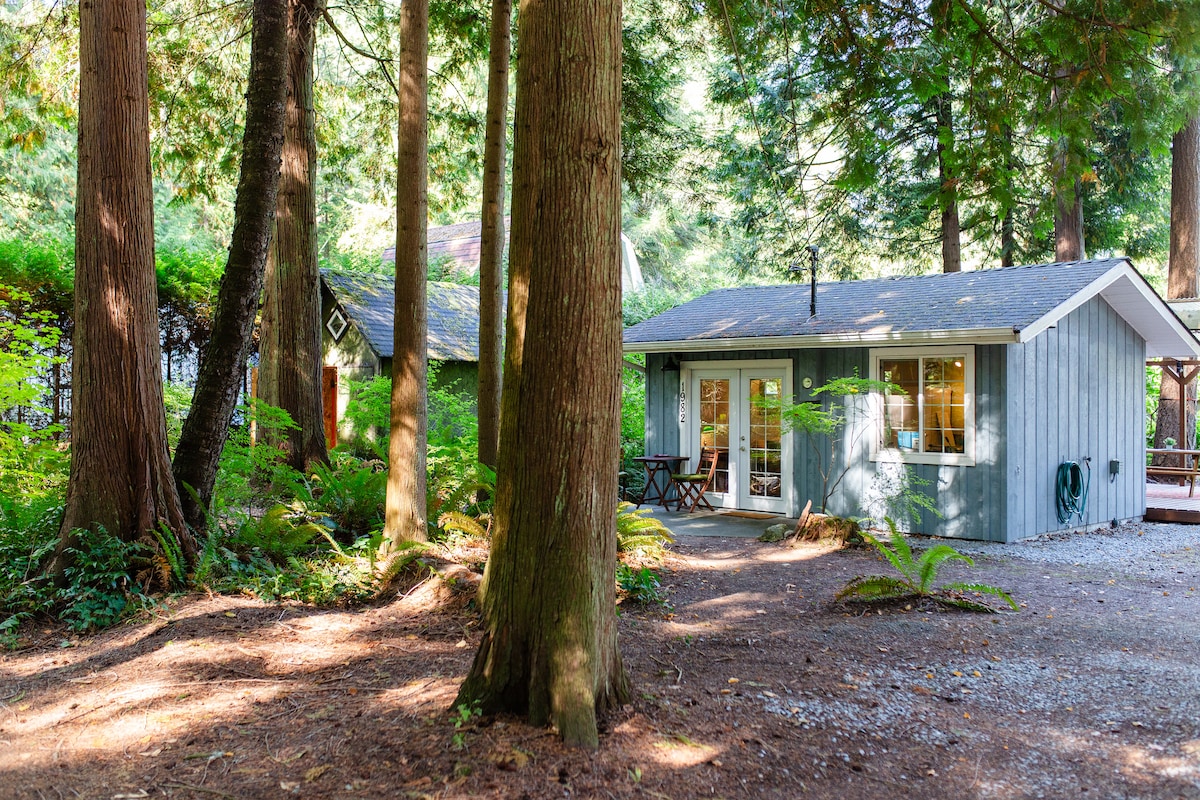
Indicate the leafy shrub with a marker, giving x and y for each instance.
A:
(641, 586)
(633, 423)
(28, 534)
(253, 474)
(368, 415)
(917, 577)
(99, 591)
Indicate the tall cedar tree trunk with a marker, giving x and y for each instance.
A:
(290, 344)
(207, 425)
(1068, 211)
(120, 468)
(549, 649)
(491, 244)
(1068, 224)
(1182, 271)
(405, 510)
(1008, 225)
(940, 17)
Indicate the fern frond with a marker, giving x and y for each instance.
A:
(888, 552)
(637, 530)
(406, 554)
(932, 559)
(983, 588)
(172, 572)
(963, 603)
(902, 549)
(463, 523)
(875, 587)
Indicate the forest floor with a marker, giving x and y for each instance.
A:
(755, 684)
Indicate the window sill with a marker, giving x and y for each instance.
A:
(935, 459)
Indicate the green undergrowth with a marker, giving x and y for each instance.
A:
(641, 538)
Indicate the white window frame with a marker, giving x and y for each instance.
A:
(880, 453)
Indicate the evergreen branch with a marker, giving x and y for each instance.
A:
(383, 64)
(1004, 50)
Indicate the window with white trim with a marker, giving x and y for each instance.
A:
(931, 418)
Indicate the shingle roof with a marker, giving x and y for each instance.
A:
(995, 302)
(369, 302)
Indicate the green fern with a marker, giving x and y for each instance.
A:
(462, 523)
(171, 550)
(918, 576)
(405, 555)
(638, 532)
(278, 534)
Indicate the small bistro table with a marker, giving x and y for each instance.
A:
(658, 466)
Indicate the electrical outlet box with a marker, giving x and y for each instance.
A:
(1114, 467)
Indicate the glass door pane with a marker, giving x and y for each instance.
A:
(714, 425)
(765, 438)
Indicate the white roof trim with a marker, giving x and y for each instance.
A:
(828, 340)
(1123, 288)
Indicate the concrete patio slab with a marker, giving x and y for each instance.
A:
(717, 523)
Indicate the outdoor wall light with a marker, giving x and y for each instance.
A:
(671, 364)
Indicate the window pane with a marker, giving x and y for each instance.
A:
(945, 405)
(900, 422)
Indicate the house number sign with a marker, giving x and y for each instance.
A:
(682, 402)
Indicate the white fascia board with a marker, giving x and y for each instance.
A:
(825, 341)
(1149, 315)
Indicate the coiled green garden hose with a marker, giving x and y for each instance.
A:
(1071, 490)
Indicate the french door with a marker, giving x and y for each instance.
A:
(737, 411)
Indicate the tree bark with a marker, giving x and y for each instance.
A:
(549, 649)
(215, 399)
(491, 244)
(1008, 238)
(940, 18)
(405, 507)
(1068, 212)
(1181, 272)
(290, 343)
(1008, 226)
(948, 191)
(120, 469)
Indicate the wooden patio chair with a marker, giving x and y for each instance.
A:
(691, 486)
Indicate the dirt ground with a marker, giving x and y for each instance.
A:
(757, 684)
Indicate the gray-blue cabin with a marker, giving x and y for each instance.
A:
(1007, 373)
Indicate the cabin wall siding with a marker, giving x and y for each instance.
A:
(971, 499)
(1077, 391)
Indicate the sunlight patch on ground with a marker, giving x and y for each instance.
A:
(737, 605)
(1150, 762)
(437, 692)
(804, 552)
(124, 717)
(680, 751)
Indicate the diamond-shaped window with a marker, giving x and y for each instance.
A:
(337, 324)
